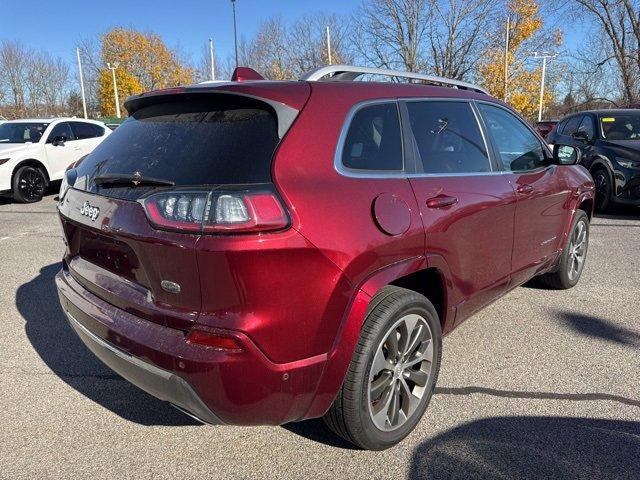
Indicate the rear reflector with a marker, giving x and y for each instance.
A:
(200, 211)
(215, 340)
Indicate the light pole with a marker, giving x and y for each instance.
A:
(235, 30)
(544, 57)
(329, 45)
(112, 67)
(84, 101)
(506, 57)
(213, 65)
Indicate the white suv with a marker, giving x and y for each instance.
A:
(36, 152)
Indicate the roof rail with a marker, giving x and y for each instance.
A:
(350, 72)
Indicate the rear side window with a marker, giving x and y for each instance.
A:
(447, 137)
(587, 126)
(226, 140)
(518, 147)
(84, 130)
(571, 126)
(373, 141)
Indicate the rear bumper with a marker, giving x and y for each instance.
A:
(160, 383)
(217, 387)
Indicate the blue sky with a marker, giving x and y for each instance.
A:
(56, 26)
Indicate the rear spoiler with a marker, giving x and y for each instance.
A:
(245, 83)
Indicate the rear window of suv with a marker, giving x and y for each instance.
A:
(219, 141)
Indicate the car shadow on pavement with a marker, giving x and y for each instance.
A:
(315, 430)
(63, 352)
(599, 328)
(531, 447)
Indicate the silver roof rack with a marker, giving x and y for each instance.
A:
(351, 72)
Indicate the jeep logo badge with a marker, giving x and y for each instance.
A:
(88, 211)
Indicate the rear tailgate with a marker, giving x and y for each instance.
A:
(192, 139)
(116, 255)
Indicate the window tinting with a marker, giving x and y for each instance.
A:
(61, 130)
(86, 130)
(518, 147)
(447, 137)
(226, 140)
(373, 141)
(587, 126)
(572, 125)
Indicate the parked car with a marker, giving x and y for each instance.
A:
(544, 127)
(35, 152)
(261, 252)
(610, 145)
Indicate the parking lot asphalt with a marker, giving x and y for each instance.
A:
(541, 384)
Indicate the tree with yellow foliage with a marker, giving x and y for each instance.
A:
(523, 83)
(144, 63)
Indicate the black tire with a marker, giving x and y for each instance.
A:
(351, 415)
(563, 277)
(29, 184)
(604, 189)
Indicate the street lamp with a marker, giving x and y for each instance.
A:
(112, 67)
(235, 30)
(544, 56)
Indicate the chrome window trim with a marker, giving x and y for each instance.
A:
(366, 173)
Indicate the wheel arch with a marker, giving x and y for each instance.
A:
(407, 274)
(32, 162)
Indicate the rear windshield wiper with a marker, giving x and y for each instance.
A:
(133, 180)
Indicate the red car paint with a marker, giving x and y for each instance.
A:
(295, 300)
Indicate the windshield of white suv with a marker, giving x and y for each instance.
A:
(22, 132)
(619, 127)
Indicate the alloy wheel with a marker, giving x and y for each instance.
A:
(577, 250)
(400, 373)
(31, 184)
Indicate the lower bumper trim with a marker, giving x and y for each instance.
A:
(156, 381)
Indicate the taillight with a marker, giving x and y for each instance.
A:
(216, 211)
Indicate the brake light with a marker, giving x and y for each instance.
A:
(215, 340)
(216, 211)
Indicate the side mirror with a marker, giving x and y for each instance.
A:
(581, 136)
(566, 155)
(58, 141)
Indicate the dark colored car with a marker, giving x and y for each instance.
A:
(544, 127)
(610, 145)
(260, 252)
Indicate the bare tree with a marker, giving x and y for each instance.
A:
(308, 43)
(457, 35)
(618, 22)
(14, 64)
(392, 33)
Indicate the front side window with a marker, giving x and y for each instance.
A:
(447, 138)
(518, 147)
(22, 132)
(61, 131)
(373, 141)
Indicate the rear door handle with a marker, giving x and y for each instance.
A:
(524, 189)
(441, 201)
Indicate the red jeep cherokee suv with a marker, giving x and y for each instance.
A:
(259, 252)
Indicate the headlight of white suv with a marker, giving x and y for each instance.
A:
(4, 160)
